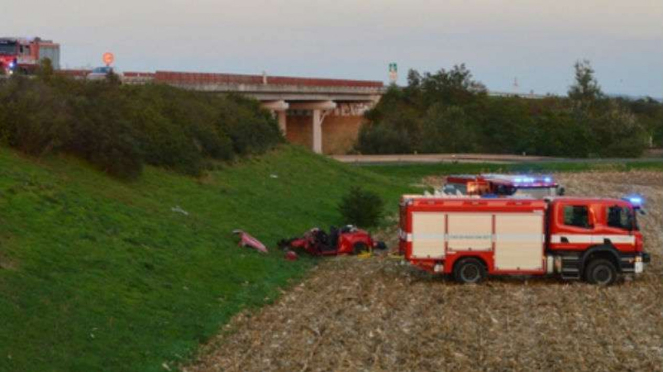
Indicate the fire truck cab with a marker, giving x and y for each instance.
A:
(24, 55)
(469, 238)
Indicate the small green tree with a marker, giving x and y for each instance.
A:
(586, 89)
(361, 207)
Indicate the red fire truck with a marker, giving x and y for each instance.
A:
(576, 238)
(502, 185)
(24, 55)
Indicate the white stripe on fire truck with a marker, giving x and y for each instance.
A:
(555, 239)
(588, 239)
(491, 237)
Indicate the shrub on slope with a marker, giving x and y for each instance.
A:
(121, 128)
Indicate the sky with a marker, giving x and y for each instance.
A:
(533, 41)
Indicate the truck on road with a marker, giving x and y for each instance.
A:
(23, 55)
(593, 239)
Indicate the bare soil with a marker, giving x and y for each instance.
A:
(378, 314)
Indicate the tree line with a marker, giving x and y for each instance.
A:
(120, 128)
(450, 112)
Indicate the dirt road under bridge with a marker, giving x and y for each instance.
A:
(377, 314)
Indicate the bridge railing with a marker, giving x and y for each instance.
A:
(211, 78)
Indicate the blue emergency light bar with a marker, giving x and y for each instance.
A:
(635, 200)
(524, 179)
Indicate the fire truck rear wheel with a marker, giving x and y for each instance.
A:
(601, 272)
(469, 270)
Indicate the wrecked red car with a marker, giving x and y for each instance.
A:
(346, 240)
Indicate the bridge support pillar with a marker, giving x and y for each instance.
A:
(317, 131)
(283, 121)
(278, 109)
(320, 110)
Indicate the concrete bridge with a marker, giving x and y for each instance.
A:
(323, 114)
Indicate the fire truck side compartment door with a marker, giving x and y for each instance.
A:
(470, 231)
(428, 235)
(519, 241)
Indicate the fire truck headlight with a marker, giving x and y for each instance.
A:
(12, 65)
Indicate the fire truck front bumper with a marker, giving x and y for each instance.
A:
(640, 262)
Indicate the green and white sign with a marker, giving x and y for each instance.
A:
(393, 72)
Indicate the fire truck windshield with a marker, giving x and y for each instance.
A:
(622, 218)
(7, 47)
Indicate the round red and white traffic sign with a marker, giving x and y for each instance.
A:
(108, 58)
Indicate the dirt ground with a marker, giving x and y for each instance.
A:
(378, 314)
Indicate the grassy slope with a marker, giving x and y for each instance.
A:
(415, 172)
(97, 274)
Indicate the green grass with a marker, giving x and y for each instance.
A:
(415, 172)
(101, 275)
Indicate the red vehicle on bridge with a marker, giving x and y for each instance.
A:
(575, 238)
(502, 185)
(24, 55)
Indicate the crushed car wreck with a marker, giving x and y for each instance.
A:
(346, 240)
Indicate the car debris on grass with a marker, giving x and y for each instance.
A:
(246, 240)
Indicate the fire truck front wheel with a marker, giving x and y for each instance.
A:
(601, 272)
(469, 270)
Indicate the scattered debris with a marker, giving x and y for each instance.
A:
(274, 175)
(177, 209)
(246, 240)
(291, 256)
(364, 255)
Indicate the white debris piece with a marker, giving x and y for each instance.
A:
(178, 209)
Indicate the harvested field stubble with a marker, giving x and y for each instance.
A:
(380, 315)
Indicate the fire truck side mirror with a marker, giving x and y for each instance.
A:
(561, 191)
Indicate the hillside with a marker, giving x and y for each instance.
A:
(100, 274)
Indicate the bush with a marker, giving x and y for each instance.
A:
(383, 139)
(250, 129)
(361, 207)
(448, 129)
(449, 112)
(120, 128)
(617, 133)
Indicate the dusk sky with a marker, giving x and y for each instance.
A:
(534, 40)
